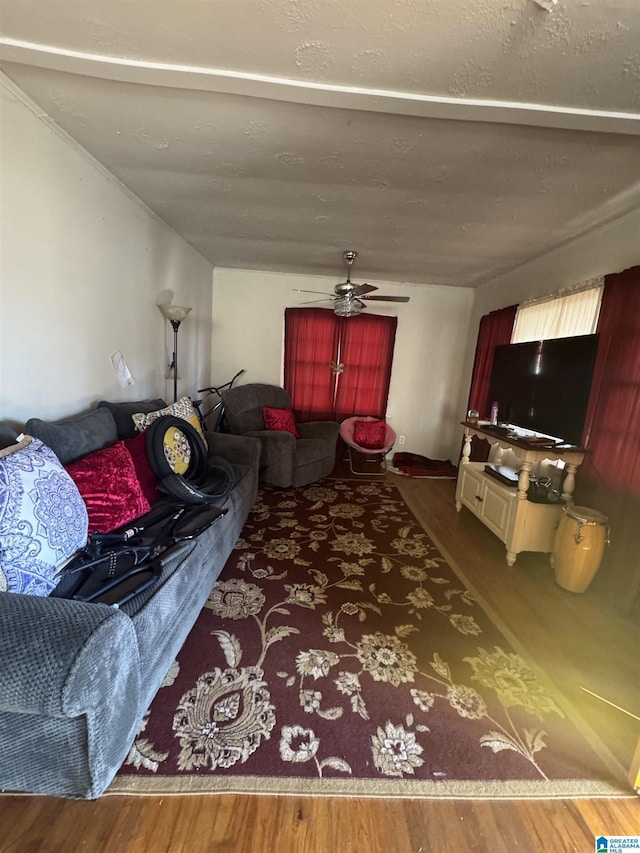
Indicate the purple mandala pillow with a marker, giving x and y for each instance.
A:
(43, 519)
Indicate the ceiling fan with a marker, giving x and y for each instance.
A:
(348, 298)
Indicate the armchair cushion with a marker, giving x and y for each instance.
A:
(244, 403)
(287, 458)
(282, 419)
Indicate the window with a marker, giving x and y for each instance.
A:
(336, 367)
(564, 316)
(310, 348)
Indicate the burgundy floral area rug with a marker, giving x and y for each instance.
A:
(339, 654)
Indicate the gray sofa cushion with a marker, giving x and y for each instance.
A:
(76, 437)
(122, 413)
(8, 435)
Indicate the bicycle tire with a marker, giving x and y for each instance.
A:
(197, 466)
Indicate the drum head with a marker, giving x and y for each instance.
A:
(585, 515)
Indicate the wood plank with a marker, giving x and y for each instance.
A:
(577, 639)
(230, 823)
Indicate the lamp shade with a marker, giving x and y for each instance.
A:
(174, 312)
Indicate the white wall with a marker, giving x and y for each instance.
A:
(83, 265)
(609, 249)
(248, 325)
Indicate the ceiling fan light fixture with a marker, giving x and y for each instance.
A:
(346, 307)
(347, 297)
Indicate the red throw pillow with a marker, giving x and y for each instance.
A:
(280, 419)
(137, 447)
(107, 481)
(370, 434)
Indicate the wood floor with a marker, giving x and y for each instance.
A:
(576, 641)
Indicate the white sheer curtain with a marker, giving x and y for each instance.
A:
(560, 316)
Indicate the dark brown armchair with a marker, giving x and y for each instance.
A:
(285, 460)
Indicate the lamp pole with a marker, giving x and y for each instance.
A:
(176, 326)
(175, 314)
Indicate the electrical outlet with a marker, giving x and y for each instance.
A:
(400, 439)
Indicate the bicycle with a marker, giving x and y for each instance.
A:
(218, 407)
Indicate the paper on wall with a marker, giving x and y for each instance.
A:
(121, 370)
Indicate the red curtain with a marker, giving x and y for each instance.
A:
(366, 353)
(609, 478)
(612, 433)
(336, 367)
(495, 328)
(311, 344)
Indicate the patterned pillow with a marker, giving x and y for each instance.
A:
(43, 519)
(107, 481)
(182, 409)
(280, 419)
(370, 434)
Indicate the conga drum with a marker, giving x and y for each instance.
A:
(579, 546)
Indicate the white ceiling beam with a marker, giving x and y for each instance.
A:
(316, 94)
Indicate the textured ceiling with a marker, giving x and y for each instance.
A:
(447, 142)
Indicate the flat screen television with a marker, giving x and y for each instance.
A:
(544, 386)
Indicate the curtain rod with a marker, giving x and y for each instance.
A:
(589, 284)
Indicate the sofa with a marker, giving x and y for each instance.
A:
(76, 678)
(293, 454)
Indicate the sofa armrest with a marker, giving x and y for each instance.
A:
(328, 430)
(70, 694)
(60, 658)
(278, 450)
(236, 449)
(280, 440)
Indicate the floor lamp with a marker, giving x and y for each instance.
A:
(175, 314)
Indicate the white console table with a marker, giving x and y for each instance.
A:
(521, 524)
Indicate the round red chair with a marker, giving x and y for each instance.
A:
(370, 454)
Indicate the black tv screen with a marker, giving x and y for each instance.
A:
(544, 386)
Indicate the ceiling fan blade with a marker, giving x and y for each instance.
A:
(314, 301)
(386, 298)
(361, 289)
(321, 292)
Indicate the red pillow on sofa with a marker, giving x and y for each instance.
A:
(280, 419)
(370, 434)
(107, 481)
(137, 447)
